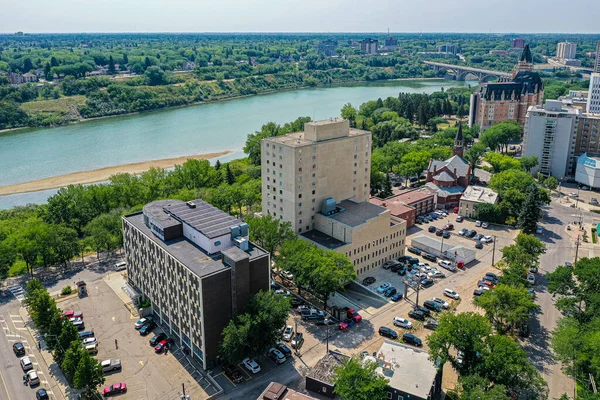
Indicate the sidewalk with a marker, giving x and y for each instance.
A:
(60, 381)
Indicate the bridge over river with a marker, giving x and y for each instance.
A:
(460, 72)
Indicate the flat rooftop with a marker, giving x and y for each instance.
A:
(297, 139)
(394, 204)
(479, 194)
(410, 369)
(205, 218)
(355, 214)
(190, 255)
(277, 391)
(414, 196)
(324, 369)
(322, 239)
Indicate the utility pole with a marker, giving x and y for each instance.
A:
(494, 251)
(327, 339)
(442, 246)
(418, 289)
(183, 388)
(576, 250)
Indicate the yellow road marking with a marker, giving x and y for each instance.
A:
(113, 318)
(142, 363)
(4, 383)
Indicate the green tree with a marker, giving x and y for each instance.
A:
(489, 212)
(473, 157)
(269, 232)
(506, 307)
(348, 112)
(501, 162)
(531, 212)
(386, 191)
(551, 183)
(511, 179)
(111, 66)
(89, 375)
(67, 337)
(8, 256)
(155, 75)
(70, 361)
(501, 134)
(359, 380)
(105, 232)
(414, 163)
(475, 387)
(529, 162)
(229, 178)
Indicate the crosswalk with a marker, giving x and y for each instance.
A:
(17, 291)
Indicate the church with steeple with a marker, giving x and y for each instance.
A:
(509, 98)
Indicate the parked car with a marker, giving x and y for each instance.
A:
(478, 223)
(115, 388)
(451, 293)
(34, 379)
(353, 314)
(110, 365)
(297, 341)
(446, 235)
(73, 314)
(433, 215)
(485, 225)
(432, 229)
(276, 355)
(439, 232)
(568, 264)
(287, 275)
(147, 328)
(233, 373)
(594, 201)
(18, 349)
(434, 273)
(346, 324)
(448, 227)
(88, 341)
(441, 302)
(295, 302)
(284, 349)
(427, 282)
(478, 237)
(531, 279)
(459, 218)
(493, 276)
(369, 280)
(390, 292)
(431, 324)
(402, 323)
(303, 309)
(486, 239)
(429, 257)
(445, 264)
(86, 334)
(156, 339)
(538, 230)
(463, 232)
(251, 365)
(416, 314)
(397, 297)
(396, 267)
(409, 338)
(288, 333)
(26, 364)
(326, 321)
(141, 322)
(414, 250)
(478, 292)
(313, 314)
(383, 287)
(162, 345)
(402, 270)
(41, 394)
(478, 245)
(471, 234)
(388, 332)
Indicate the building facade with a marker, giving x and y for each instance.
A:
(518, 43)
(550, 135)
(369, 46)
(398, 208)
(196, 266)
(391, 41)
(593, 101)
(474, 195)
(327, 47)
(587, 171)
(588, 134)
(597, 60)
(451, 48)
(566, 50)
(507, 99)
(422, 200)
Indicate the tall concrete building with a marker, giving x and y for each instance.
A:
(507, 99)
(597, 60)
(196, 266)
(369, 46)
(451, 48)
(593, 101)
(588, 134)
(550, 134)
(319, 181)
(391, 41)
(566, 50)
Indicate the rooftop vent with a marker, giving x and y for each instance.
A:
(191, 204)
(328, 207)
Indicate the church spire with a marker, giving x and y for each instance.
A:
(459, 142)
(525, 61)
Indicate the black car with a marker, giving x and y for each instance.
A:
(284, 349)
(41, 394)
(403, 258)
(414, 250)
(369, 280)
(296, 302)
(492, 277)
(432, 305)
(478, 245)
(446, 235)
(423, 310)
(471, 234)
(390, 292)
(430, 257)
(326, 321)
(439, 232)
(432, 228)
(387, 332)
(427, 282)
(386, 265)
(396, 267)
(156, 339)
(412, 339)
(147, 328)
(415, 314)
(19, 349)
(412, 260)
(431, 324)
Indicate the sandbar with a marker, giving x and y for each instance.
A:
(101, 174)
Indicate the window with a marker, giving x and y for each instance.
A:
(313, 192)
(299, 221)
(267, 144)
(268, 170)
(300, 169)
(314, 166)
(300, 196)
(299, 179)
(299, 187)
(280, 191)
(314, 157)
(314, 200)
(280, 148)
(355, 156)
(273, 164)
(355, 164)
(299, 230)
(313, 175)
(268, 186)
(218, 243)
(280, 183)
(281, 174)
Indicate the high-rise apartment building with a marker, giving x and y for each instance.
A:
(448, 48)
(319, 180)
(550, 135)
(566, 50)
(588, 134)
(597, 60)
(518, 43)
(593, 101)
(369, 46)
(196, 266)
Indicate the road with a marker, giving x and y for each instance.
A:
(559, 249)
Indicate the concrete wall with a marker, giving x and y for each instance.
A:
(217, 311)
(317, 131)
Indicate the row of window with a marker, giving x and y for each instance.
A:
(375, 264)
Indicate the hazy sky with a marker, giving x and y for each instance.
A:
(300, 16)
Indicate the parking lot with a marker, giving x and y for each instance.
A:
(148, 375)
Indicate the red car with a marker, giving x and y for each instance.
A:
(73, 314)
(353, 314)
(162, 344)
(115, 389)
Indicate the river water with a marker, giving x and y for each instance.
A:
(31, 154)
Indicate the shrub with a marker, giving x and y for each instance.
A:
(66, 291)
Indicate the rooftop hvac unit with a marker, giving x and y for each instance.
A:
(241, 243)
(191, 204)
(235, 231)
(244, 229)
(328, 206)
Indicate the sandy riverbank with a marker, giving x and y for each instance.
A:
(101, 174)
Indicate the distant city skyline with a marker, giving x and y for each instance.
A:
(460, 16)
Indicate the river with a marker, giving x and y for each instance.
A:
(31, 154)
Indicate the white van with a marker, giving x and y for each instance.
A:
(26, 364)
(120, 266)
(92, 348)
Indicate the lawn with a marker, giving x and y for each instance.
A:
(61, 105)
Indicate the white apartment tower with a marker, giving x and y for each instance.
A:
(550, 133)
(597, 61)
(300, 170)
(593, 101)
(566, 50)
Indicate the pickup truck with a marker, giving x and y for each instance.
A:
(353, 314)
(312, 314)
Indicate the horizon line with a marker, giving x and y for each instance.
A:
(297, 32)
